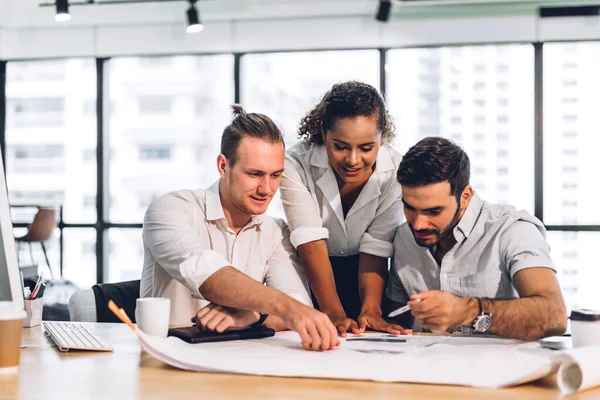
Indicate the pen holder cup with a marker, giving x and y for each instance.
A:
(33, 309)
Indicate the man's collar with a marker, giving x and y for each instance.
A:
(384, 159)
(469, 218)
(214, 209)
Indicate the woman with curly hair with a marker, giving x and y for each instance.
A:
(343, 204)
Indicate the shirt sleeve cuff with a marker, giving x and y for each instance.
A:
(303, 235)
(376, 247)
(531, 262)
(196, 270)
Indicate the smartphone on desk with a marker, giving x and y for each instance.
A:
(192, 334)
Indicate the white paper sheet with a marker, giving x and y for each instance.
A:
(421, 359)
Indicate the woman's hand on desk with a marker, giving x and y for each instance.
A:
(374, 320)
(344, 324)
(217, 318)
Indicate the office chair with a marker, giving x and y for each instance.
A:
(40, 230)
(91, 305)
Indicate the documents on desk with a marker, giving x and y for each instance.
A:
(467, 361)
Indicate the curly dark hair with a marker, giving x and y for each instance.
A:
(434, 160)
(346, 100)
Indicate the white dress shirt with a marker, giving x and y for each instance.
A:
(493, 243)
(313, 206)
(186, 239)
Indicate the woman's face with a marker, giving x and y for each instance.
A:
(352, 147)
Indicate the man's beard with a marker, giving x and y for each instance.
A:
(440, 236)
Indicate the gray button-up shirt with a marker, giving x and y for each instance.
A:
(493, 243)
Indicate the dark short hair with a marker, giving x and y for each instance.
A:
(247, 124)
(434, 160)
(346, 100)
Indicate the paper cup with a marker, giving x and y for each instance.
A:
(585, 328)
(11, 322)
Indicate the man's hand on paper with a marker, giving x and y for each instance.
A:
(441, 311)
(374, 320)
(314, 327)
(217, 318)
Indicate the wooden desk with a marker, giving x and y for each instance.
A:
(129, 373)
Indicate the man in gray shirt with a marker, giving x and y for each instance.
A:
(462, 263)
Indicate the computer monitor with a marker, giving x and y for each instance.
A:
(10, 278)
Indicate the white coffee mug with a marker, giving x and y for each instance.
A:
(152, 315)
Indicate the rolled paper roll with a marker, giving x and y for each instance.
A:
(579, 369)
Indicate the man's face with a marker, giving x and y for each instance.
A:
(251, 183)
(432, 212)
(352, 147)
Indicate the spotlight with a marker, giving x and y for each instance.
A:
(194, 24)
(383, 11)
(62, 11)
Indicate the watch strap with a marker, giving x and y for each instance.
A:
(260, 321)
(483, 306)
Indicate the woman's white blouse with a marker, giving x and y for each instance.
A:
(313, 207)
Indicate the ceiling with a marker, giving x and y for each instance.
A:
(29, 13)
(24, 13)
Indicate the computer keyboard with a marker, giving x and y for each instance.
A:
(74, 336)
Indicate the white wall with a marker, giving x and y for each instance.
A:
(349, 32)
(576, 28)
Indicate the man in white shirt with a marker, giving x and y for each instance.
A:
(462, 263)
(212, 251)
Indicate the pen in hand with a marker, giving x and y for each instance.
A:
(401, 310)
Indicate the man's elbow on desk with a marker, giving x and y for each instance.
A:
(556, 323)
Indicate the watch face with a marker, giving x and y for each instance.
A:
(482, 323)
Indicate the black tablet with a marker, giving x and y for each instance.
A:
(192, 334)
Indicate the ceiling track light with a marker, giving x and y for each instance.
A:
(62, 11)
(383, 11)
(194, 24)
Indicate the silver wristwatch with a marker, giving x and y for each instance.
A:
(481, 323)
(483, 320)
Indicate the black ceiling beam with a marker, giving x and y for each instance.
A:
(575, 11)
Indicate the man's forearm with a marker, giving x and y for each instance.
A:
(528, 318)
(231, 288)
(372, 276)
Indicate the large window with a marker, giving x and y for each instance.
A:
(571, 139)
(574, 256)
(166, 116)
(285, 86)
(79, 256)
(46, 134)
(478, 96)
(125, 254)
(163, 119)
